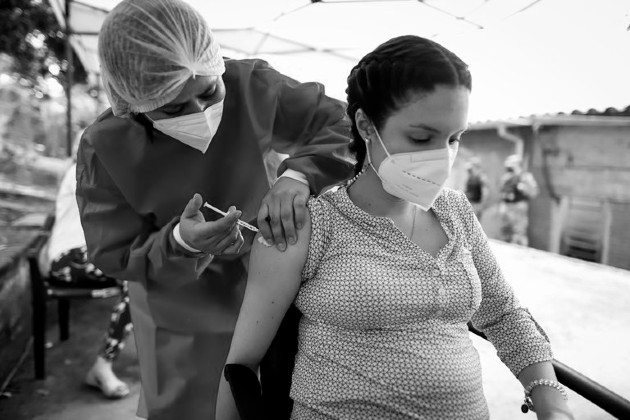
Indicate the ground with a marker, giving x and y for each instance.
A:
(583, 307)
(62, 395)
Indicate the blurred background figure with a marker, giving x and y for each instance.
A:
(476, 188)
(67, 254)
(517, 187)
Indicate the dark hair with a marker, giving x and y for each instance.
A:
(385, 79)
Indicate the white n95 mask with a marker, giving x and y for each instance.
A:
(417, 177)
(195, 130)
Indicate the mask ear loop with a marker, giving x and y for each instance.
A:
(367, 141)
(452, 154)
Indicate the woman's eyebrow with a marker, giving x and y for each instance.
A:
(424, 127)
(435, 130)
(172, 104)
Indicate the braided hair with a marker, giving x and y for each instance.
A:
(387, 78)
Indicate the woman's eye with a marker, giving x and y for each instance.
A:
(209, 95)
(420, 140)
(173, 111)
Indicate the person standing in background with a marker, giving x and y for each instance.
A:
(517, 187)
(476, 188)
(66, 255)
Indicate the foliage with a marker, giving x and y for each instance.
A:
(32, 36)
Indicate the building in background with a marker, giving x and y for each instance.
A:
(581, 162)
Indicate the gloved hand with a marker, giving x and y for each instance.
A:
(219, 237)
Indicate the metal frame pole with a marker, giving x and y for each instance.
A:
(599, 395)
(69, 80)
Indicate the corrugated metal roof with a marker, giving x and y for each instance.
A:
(610, 111)
(608, 116)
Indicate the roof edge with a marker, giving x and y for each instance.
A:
(562, 120)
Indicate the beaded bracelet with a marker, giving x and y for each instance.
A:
(528, 405)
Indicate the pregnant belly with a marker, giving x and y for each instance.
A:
(411, 368)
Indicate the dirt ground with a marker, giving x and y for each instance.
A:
(62, 395)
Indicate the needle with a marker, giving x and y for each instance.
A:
(239, 221)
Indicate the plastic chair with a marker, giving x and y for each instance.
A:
(44, 288)
(268, 398)
(246, 392)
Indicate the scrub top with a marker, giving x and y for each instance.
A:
(133, 182)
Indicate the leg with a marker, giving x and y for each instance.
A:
(62, 270)
(63, 311)
(521, 224)
(119, 327)
(101, 375)
(506, 229)
(38, 296)
(39, 338)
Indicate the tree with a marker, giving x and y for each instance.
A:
(32, 36)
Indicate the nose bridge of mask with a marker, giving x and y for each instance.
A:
(430, 155)
(212, 112)
(417, 177)
(180, 121)
(195, 130)
(192, 122)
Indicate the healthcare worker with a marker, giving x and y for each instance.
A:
(187, 126)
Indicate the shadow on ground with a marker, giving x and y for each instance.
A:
(62, 395)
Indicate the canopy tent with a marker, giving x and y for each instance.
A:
(527, 56)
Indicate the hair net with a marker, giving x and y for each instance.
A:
(148, 49)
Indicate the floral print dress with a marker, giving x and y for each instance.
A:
(384, 329)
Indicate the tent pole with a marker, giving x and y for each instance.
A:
(69, 81)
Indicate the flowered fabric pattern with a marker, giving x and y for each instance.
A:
(73, 267)
(384, 333)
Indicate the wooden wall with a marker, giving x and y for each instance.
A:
(15, 300)
(588, 161)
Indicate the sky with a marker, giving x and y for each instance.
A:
(553, 56)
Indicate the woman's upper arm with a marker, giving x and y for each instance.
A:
(509, 326)
(272, 284)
